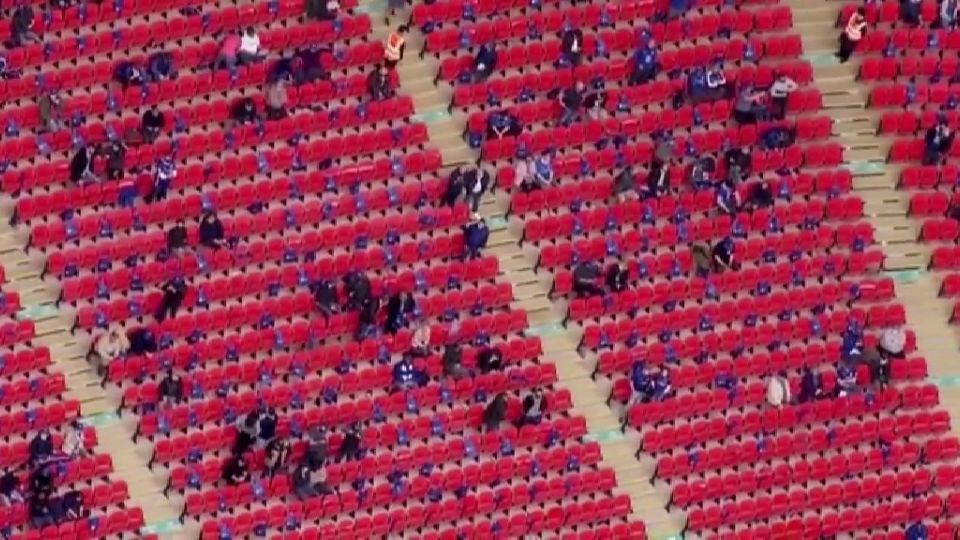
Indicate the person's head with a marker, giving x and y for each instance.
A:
(250, 32)
(402, 29)
(209, 217)
(861, 13)
(44, 434)
(579, 86)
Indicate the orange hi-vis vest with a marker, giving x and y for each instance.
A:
(392, 49)
(854, 29)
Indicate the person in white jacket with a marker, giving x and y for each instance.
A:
(778, 390)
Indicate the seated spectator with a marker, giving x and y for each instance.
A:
(115, 154)
(624, 185)
(420, 342)
(525, 175)
(317, 447)
(276, 100)
(278, 453)
(485, 63)
(51, 112)
(151, 124)
(585, 277)
(211, 231)
(645, 65)
(174, 291)
(778, 138)
(267, 428)
(73, 440)
(739, 163)
(893, 340)
(571, 46)
(228, 56)
(350, 448)
(164, 175)
(722, 255)
(171, 388)
(406, 376)
(640, 381)
(357, 285)
(378, 83)
(41, 515)
(571, 99)
(618, 278)
(760, 196)
(41, 447)
(701, 172)
(400, 307)
(41, 479)
(309, 482)
(22, 29)
(248, 428)
(534, 406)
(595, 103)
(937, 143)
(177, 238)
(662, 389)
(543, 168)
(846, 380)
(108, 347)
(367, 317)
(72, 506)
(325, 297)
(910, 11)
(141, 341)
(324, 10)
(453, 362)
(161, 67)
(727, 198)
(475, 236)
(809, 386)
(490, 359)
(128, 74)
(778, 390)
(780, 91)
(702, 260)
(747, 106)
(716, 78)
(81, 166)
(249, 50)
(502, 124)
(665, 150)
(11, 492)
(495, 412)
(236, 471)
(658, 180)
(244, 111)
(949, 13)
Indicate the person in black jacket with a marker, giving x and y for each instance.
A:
(490, 359)
(151, 124)
(244, 111)
(369, 308)
(41, 447)
(455, 185)
(22, 28)
(571, 99)
(400, 307)
(171, 388)
(174, 292)
(378, 83)
(475, 236)
(325, 297)
(534, 406)
(267, 428)
(571, 46)
(617, 278)
(81, 165)
(357, 285)
(177, 237)
(495, 413)
(236, 471)
(585, 279)
(350, 446)
(211, 231)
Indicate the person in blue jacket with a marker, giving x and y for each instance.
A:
(645, 64)
(475, 236)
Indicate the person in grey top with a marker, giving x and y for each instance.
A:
(780, 90)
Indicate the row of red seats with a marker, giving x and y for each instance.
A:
(887, 12)
(115, 523)
(910, 123)
(901, 94)
(908, 67)
(876, 517)
(939, 230)
(101, 496)
(934, 203)
(927, 177)
(453, 10)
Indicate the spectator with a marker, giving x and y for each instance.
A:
(228, 56)
(400, 307)
(325, 10)
(910, 12)
(249, 51)
(406, 376)
(244, 111)
(852, 34)
(879, 365)
(485, 62)
(109, 347)
(585, 277)
(475, 236)
(617, 278)
(760, 196)
(378, 83)
(544, 170)
(645, 64)
(358, 288)
(525, 175)
(22, 28)
(778, 138)
(624, 185)
(916, 531)
(171, 388)
(278, 452)
(658, 180)
(701, 172)
(502, 124)
(702, 260)
(809, 386)
(394, 47)
(778, 390)
(455, 186)
(595, 103)
(276, 100)
(571, 99)
(727, 198)
(420, 342)
(453, 362)
(571, 47)
(937, 143)
(51, 111)
(662, 389)
(534, 406)
(495, 412)
(248, 428)
(236, 471)
(142, 341)
(780, 90)
(325, 297)
(211, 231)
(476, 181)
(81, 166)
(490, 359)
(893, 340)
(41, 447)
(739, 163)
(41, 515)
(368, 310)
(665, 149)
(267, 428)
(116, 154)
(41, 481)
(73, 440)
(317, 447)
(639, 380)
(722, 255)
(846, 380)
(716, 80)
(128, 74)
(72, 506)
(309, 482)
(747, 105)
(177, 238)
(151, 124)
(174, 292)
(161, 67)
(10, 489)
(350, 448)
(166, 172)
(949, 11)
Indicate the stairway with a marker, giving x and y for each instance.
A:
(875, 180)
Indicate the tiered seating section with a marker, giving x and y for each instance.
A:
(866, 465)
(912, 74)
(341, 184)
